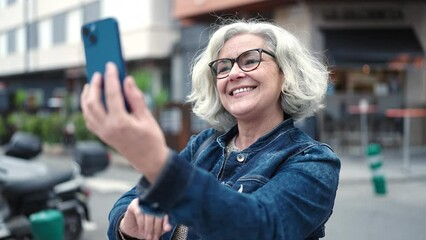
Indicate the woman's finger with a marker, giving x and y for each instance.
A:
(140, 221)
(166, 225)
(134, 97)
(113, 94)
(149, 226)
(129, 223)
(158, 228)
(91, 103)
(84, 92)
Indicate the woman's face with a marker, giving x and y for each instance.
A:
(253, 94)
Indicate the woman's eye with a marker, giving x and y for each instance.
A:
(223, 68)
(250, 61)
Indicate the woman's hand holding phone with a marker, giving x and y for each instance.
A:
(136, 135)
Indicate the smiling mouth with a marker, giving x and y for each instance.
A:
(242, 90)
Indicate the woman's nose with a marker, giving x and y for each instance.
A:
(235, 72)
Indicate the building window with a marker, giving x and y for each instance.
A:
(59, 29)
(32, 35)
(10, 2)
(91, 12)
(11, 41)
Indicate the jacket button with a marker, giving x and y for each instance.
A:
(240, 158)
(155, 205)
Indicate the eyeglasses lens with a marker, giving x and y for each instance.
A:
(247, 62)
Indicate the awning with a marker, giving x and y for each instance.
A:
(376, 47)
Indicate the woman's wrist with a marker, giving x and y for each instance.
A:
(153, 171)
(124, 236)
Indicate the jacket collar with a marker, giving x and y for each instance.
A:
(284, 126)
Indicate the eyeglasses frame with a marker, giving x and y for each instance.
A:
(235, 60)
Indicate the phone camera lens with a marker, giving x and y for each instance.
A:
(86, 31)
(92, 38)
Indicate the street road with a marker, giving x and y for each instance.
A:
(358, 213)
(106, 188)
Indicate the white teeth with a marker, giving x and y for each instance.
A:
(240, 90)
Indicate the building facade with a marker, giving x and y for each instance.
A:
(41, 48)
(375, 51)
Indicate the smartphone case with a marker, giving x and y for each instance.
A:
(102, 44)
(101, 40)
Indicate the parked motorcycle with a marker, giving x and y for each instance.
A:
(30, 185)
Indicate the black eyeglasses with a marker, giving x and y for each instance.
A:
(246, 61)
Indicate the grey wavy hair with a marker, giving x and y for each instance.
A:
(305, 77)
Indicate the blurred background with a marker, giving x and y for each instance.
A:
(375, 51)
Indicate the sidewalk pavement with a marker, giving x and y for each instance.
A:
(356, 168)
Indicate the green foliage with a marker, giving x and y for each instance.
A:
(161, 98)
(3, 128)
(16, 119)
(52, 128)
(81, 132)
(32, 124)
(20, 98)
(49, 127)
(143, 80)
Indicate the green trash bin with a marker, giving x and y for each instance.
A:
(47, 225)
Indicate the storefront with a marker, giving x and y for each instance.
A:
(376, 56)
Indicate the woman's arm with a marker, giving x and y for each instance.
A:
(291, 205)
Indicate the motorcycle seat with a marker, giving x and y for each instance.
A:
(55, 175)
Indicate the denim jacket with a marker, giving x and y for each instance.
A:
(283, 186)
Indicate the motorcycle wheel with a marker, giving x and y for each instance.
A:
(73, 225)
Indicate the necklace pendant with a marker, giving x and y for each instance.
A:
(232, 147)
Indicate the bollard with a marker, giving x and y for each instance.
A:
(374, 154)
(47, 225)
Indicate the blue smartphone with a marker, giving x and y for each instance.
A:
(101, 41)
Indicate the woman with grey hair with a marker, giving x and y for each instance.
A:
(253, 175)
